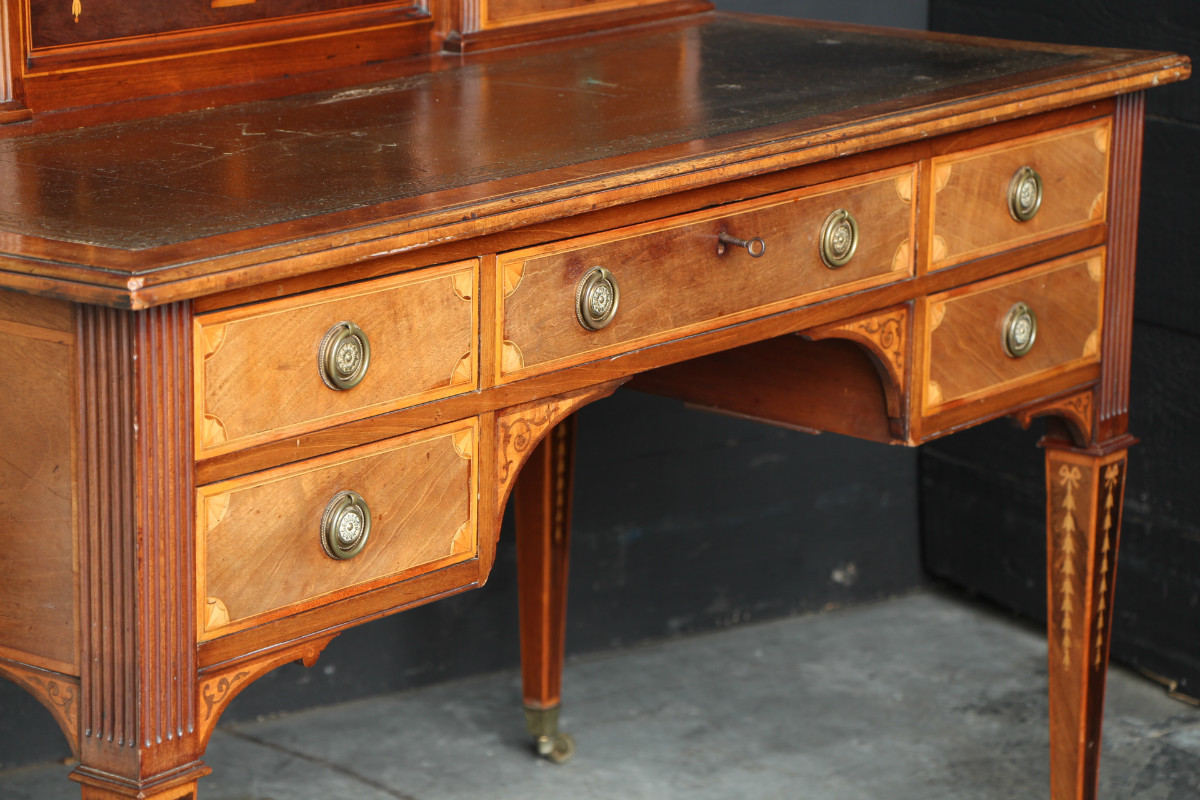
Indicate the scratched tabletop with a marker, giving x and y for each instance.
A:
(470, 122)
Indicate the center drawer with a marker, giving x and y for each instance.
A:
(289, 539)
(582, 299)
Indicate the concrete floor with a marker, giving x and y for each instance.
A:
(922, 697)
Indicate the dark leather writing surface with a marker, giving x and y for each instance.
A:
(173, 179)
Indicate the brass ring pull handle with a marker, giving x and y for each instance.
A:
(345, 525)
(596, 298)
(755, 247)
(1020, 330)
(1024, 194)
(344, 355)
(839, 238)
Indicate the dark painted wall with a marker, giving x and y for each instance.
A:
(991, 542)
(684, 522)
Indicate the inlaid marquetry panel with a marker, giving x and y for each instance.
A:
(965, 329)
(257, 366)
(676, 277)
(260, 535)
(38, 618)
(970, 210)
(496, 13)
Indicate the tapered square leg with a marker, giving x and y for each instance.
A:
(543, 514)
(1085, 491)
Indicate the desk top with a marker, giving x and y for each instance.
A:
(150, 211)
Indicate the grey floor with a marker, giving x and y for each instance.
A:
(922, 697)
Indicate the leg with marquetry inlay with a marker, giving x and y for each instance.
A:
(1084, 491)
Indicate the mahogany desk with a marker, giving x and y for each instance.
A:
(270, 370)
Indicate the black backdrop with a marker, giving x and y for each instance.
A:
(990, 541)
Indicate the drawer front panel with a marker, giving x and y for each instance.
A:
(971, 208)
(674, 280)
(257, 372)
(966, 329)
(261, 553)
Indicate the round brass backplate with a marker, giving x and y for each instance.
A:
(345, 525)
(1020, 330)
(344, 355)
(839, 238)
(596, 298)
(1024, 194)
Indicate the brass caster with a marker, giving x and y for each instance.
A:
(549, 742)
(558, 748)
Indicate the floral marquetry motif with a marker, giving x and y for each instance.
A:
(217, 689)
(519, 429)
(1084, 497)
(1077, 410)
(464, 371)
(1111, 514)
(1066, 568)
(58, 693)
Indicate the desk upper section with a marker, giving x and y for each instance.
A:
(149, 211)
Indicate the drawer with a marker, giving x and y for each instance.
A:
(675, 277)
(259, 371)
(262, 551)
(973, 192)
(974, 335)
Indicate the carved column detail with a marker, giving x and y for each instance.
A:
(136, 552)
(1125, 180)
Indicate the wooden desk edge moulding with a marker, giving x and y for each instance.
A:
(293, 299)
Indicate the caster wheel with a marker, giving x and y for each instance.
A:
(558, 748)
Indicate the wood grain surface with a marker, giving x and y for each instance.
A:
(969, 206)
(257, 366)
(964, 352)
(674, 279)
(493, 13)
(487, 24)
(39, 622)
(423, 158)
(259, 536)
(829, 386)
(1084, 499)
(133, 406)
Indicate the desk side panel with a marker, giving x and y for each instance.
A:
(38, 564)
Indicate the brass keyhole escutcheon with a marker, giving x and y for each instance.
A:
(596, 298)
(344, 355)
(1020, 330)
(345, 525)
(1024, 194)
(839, 238)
